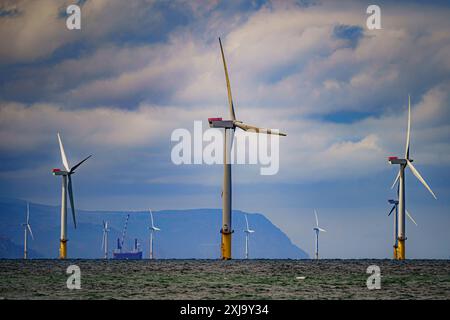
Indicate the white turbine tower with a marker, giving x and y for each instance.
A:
(66, 175)
(27, 228)
(230, 126)
(105, 239)
(152, 229)
(317, 229)
(247, 236)
(405, 163)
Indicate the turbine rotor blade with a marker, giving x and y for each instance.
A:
(393, 208)
(151, 218)
(396, 180)
(418, 176)
(323, 230)
(408, 132)
(63, 154)
(72, 205)
(410, 217)
(246, 221)
(230, 97)
(28, 212)
(317, 219)
(79, 163)
(31, 232)
(250, 128)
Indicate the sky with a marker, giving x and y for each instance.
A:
(139, 69)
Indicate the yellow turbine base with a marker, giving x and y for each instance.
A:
(63, 249)
(226, 246)
(401, 250)
(395, 253)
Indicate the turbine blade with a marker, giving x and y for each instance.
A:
(31, 232)
(63, 154)
(250, 128)
(396, 179)
(323, 230)
(151, 218)
(72, 206)
(246, 222)
(28, 212)
(393, 208)
(411, 218)
(418, 176)
(317, 219)
(79, 163)
(230, 97)
(408, 132)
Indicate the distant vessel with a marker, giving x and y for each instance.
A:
(120, 254)
(135, 254)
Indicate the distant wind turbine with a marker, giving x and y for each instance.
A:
(153, 229)
(317, 229)
(105, 239)
(395, 209)
(247, 236)
(400, 179)
(27, 228)
(66, 188)
(230, 126)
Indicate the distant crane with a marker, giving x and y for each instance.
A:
(124, 232)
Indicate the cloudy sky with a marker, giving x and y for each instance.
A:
(137, 70)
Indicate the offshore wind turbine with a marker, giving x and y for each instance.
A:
(66, 175)
(395, 208)
(247, 236)
(27, 228)
(153, 229)
(317, 230)
(105, 238)
(404, 163)
(229, 127)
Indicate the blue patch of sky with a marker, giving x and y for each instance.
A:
(346, 116)
(4, 13)
(350, 33)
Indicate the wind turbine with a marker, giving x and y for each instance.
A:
(66, 175)
(105, 238)
(405, 163)
(229, 126)
(247, 236)
(395, 207)
(317, 229)
(152, 228)
(27, 228)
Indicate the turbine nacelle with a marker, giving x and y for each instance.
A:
(59, 172)
(396, 160)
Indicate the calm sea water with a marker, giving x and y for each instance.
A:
(236, 279)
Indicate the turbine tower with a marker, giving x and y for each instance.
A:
(404, 163)
(105, 238)
(152, 228)
(27, 228)
(247, 236)
(230, 126)
(66, 175)
(317, 229)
